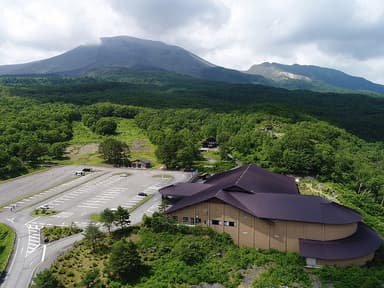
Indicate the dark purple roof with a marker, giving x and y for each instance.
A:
(288, 207)
(263, 194)
(254, 179)
(303, 208)
(183, 189)
(363, 242)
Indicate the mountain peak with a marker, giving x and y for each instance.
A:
(313, 77)
(126, 52)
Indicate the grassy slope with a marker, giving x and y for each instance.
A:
(166, 268)
(7, 236)
(127, 131)
(165, 255)
(137, 141)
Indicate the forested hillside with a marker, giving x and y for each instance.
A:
(293, 132)
(360, 114)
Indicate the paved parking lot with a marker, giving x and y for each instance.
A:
(75, 199)
(108, 190)
(25, 185)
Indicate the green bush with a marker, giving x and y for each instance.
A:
(7, 236)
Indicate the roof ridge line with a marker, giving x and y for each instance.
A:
(242, 174)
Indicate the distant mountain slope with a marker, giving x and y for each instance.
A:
(131, 53)
(124, 53)
(313, 77)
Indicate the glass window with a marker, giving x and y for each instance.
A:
(185, 220)
(192, 221)
(215, 222)
(197, 220)
(230, 223)
(175, 218)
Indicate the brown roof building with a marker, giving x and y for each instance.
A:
(265, 210)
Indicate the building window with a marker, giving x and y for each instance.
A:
(192, 221)
(185, 220)
(310, 261)
(230, 223)
(197, 220)
(215, 222)
(175, 218)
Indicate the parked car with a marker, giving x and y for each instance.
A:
(142, 194)
(87, 170)
(44, 207)
(79, 173)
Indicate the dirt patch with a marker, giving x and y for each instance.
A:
(77, 150)
(140, 146)
(250, 275)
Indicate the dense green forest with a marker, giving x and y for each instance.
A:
(359, 114)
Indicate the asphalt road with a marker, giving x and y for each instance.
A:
(75, 199)
(34, 183)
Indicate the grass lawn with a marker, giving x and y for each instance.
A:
(83, 135)
(137, 141)
(214, 155)
(83, 146)
(7, 236)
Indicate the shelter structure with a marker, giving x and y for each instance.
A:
(141, 163)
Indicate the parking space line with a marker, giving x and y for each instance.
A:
(88, 206)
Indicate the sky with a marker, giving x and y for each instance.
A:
(347, 35)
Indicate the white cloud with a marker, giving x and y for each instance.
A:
(343, 34)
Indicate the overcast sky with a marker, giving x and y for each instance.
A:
(344, 34)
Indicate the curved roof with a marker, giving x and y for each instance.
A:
(302, 208)
(254, 179)
(263, 194)
(362, 243)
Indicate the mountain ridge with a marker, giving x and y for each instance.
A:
(137, 54)
(313, 77)
(130, 52)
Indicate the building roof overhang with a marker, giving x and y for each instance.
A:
(363, 242)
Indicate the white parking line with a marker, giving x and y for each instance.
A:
(33, 237)
(88, 206)
(94, 202)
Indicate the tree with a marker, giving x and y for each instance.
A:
(192, 252)
(56, 150)
(92, 235)
(91, 279)
(124, 262)
(177, 149)
(108, 217)
(122, 217)
(160, 222)
(46, 279)
(105, 126)
(115, 152)
(15, 167)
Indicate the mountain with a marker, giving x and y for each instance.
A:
(313, 78)
(131, 53)
(124, 54)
